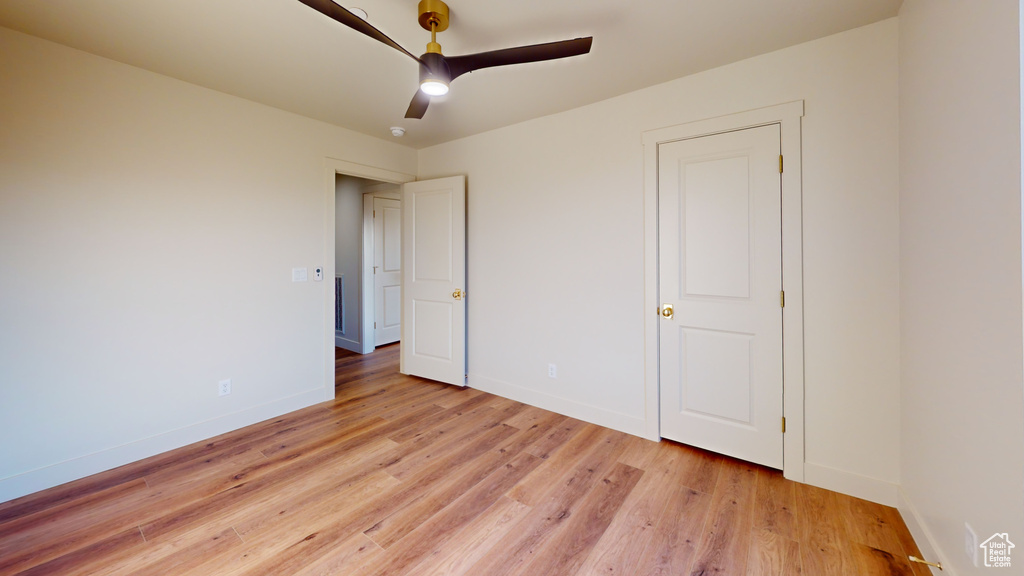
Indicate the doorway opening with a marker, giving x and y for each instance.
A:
(367, 263)
(432, 279)
(356, 322)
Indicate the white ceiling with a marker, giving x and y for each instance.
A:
(286, 55)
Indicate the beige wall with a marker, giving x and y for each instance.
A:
(555, 213)
(148, 229)
(960, 219)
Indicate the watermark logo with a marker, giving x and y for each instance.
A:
(997, 550)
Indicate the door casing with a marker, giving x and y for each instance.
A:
(789, 116)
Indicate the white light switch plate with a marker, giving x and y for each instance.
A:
(299, 275)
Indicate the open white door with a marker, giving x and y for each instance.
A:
(434, 279)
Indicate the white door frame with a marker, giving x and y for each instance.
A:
(788, 117)
(333, 167)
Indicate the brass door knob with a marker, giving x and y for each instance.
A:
(666, 311)
(458, 294)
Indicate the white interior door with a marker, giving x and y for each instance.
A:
(720, 254)
(387, 270)
(434, 279)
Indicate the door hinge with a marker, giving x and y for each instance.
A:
(780, 163)
(782, 298)
(374, 325)
(783, 424)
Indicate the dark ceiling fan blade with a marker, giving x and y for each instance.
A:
(460, 65)
(332, 10)
(418, 106)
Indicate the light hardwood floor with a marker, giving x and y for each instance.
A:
(404, 476)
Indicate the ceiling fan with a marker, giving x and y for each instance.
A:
(437, 70)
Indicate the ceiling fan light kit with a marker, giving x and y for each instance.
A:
(437, 71)
(434, 74)
(434, 87)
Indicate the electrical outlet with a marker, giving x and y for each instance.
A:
(971, 544)
(552, 371)
(224, 387)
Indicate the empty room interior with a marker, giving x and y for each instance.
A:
(665, 287)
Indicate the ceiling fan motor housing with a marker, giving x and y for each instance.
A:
(434, 67)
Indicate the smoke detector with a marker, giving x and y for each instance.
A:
(397, 131)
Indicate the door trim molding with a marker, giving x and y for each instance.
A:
(788, 116)
(333, 167)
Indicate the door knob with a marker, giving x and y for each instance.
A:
(666, 311)
(458, 294)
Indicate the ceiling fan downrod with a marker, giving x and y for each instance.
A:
(433, 17)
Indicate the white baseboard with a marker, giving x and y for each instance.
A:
(851, 484)
(57, 474)
(573, 409)
(348, 344)
(922, 536)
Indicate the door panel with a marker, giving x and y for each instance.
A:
(716, 214)
(393, 308)
(432, 318)
(387, 270)
(432, 213)
(720, 246)
(716, 373)
(434, 276)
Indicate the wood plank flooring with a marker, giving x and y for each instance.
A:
(404, 476)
